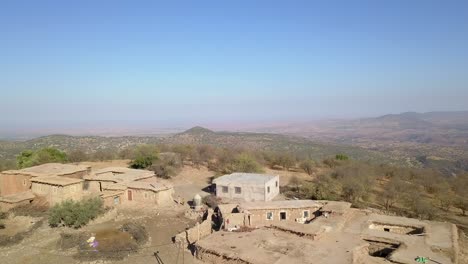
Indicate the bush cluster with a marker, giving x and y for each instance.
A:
(75, 214)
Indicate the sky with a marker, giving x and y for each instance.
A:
(176, 63)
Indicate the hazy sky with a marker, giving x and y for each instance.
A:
(212, 61)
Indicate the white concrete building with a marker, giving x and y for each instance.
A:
(247, 187)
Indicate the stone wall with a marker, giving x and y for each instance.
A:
(195, 233)
(14, 183)
(149, 197)
(56, 194)
(258, 217)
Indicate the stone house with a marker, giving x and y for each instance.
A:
(258, 214)
(56, 189)
(9, 201)
(247, 187)
(17, 181)
(126, 186)
(99, 180)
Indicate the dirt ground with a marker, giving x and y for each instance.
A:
(162, 224)
(17, 224)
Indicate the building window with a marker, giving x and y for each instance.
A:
(237, 190)
(305, 214)
(276, 183)
(282, 216)
(268, 189)
(269, 215)
(24, 182)
(225, 189)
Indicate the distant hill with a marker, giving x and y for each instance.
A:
(196, 135)
(198, 130)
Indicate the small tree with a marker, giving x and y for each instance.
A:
(77, 156)
(245, 163)
(308, 166)
(341, 157)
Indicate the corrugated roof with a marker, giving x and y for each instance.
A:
(57, 180)
(245, 178)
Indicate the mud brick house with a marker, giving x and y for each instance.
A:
(247, 187)
(9, 201)
(57, 189)
(100, 179)
(17, 181)
(257, 214)
(126, 186)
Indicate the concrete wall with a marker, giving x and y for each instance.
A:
(56, 194)
(274, 189)
(250, 192)
(258, 217)
(11, 184)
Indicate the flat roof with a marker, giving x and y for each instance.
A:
(246, 178)
(106, 194)
(119, 174)
(50, 169)
(17, 197)
(155, 186)
(337, 207)
(57, 180)
(287, 204)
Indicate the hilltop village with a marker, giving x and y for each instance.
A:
(250, 222)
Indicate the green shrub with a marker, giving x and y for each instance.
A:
(29, 158)
(75, 214)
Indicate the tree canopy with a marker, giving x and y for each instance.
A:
(29, 158)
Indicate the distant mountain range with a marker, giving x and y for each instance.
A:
(436, 139)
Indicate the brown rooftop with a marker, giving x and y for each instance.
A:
(119, 174)
(57, 180)
(50, 169)
(152, 186)
(17, 197)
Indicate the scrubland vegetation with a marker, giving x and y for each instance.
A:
(75, 213)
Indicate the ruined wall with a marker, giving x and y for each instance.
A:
(232, 220)
(56, 194)
(195, 233)
(258, 217)
(14, 183)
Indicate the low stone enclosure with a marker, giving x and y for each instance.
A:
(351, 236)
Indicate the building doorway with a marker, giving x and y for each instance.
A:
(100, 186)
(282, 216)
(130, 195)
